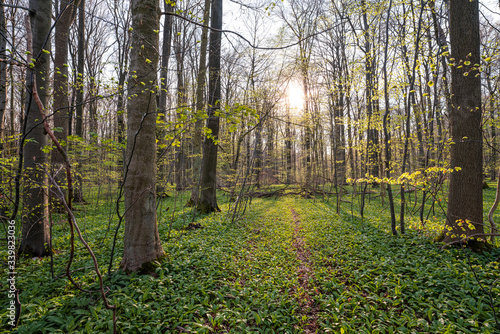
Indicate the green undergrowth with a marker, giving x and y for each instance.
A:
(373, 282)
(224, 277)
(243, 277)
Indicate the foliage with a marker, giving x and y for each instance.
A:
(372, 282)
(243, 277)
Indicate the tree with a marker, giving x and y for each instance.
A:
(66, 16)
(371, 102)
(3, 66)
(200, 105)
(121, 20)
(141, 240)
(80, 70)
(36, 232)
(387, 136)
(78, 89)
(305, 18)
(465, 198)
(162, 105)
(208, 181)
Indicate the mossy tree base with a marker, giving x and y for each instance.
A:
(206, 208)
(149, 268)
(28, 251)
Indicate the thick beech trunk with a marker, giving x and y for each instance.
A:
(35, 223)
(141, 240)
(465, 198)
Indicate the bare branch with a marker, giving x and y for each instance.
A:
(246, 40)
(19, 7)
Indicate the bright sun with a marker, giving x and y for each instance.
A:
(295, 96)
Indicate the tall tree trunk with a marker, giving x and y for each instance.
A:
(79, 94)
(3, 82)
(80, 70)
(3, 67)
(61, 85)
(443, 48)
(410, 103)
(288, 149)
(13, 87)
(307, 128)
(208, 182)
(351, 138)
(181, 104)
(387, 134)
(465, 198)
(258, 155)
(36, 231)
(493, 156)
(493, 152)
(200, 106)
(339, 138)
(141, 239)
(165, 57)
(271, 158)
(122, 36)
(372, 132)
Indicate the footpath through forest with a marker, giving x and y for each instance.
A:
(290, 265)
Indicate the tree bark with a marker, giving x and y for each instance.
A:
(122, 35)
(288, 149)
(180, 168)
(162, 107)
(200, 106)
(465, 198)
(208, 182)
(35, 223)
(165, 56)
(3, 67)
(387, 134)
(79, 94)
(61, 87)
(80, 70)
(372, 132)
(141, 240)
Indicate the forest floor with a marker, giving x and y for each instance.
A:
(288, 265)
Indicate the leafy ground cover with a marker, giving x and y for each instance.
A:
(290, 265)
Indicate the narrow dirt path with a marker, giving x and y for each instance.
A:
(304, 291)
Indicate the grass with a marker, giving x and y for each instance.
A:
(244, 277)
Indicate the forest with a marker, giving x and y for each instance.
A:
(262, 166)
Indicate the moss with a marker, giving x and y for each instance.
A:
(149, 268)
(476, 245)
(29, 252)
(205, 208)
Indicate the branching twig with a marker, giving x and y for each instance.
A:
(94, 259)
(249, 42)
(19, 7)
